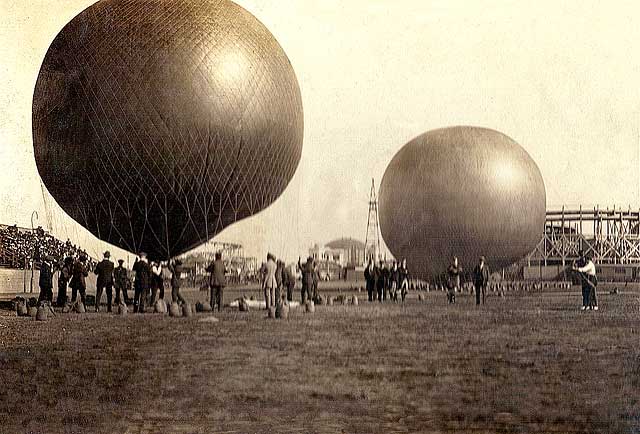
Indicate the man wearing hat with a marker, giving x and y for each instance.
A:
(78, 279)
(307, 271)
(142, 283)
(480, 280)
(104, 271)
(217, 281)
(63, 280)
(121, 282)
(46, 279)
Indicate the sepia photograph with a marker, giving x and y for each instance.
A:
(363, 216)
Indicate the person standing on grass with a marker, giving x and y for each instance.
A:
(394, 280)
(480, 280)
(63, 280)
(315, 280)
(307, 279)
(387, 281)
(577, 264)
(217, 281)
(104, 271)
(403, 279)
(46, 280)
(176, 272)
(453, 280)
(587, 269)
(290, 282)
(381, 281)
(280, 281)
(370, 278)
(142, 282)
(157, 282)
(78, 279)
(120, 282)
(269, 284)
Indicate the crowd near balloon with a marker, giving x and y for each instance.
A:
(385, 282)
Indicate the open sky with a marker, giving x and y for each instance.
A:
(560, 78)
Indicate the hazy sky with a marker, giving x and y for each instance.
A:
(561, 78)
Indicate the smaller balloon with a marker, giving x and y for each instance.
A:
(464, 192)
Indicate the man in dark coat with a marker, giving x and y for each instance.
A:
(280, 280)
(217, 281)
(394, 282)
(176, 281)
(78, 279)
(290, 282)
(121, 282)
(63, 280)
(46, 280)
(104, 271)
(377, 276)
(316, 278)
(370, 278)
(307, 271)
(142, 282)
(481, 279)
(382, 276)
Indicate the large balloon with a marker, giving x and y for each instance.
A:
(158, 123)
(465, 192)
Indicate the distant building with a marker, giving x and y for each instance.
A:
(345, 252)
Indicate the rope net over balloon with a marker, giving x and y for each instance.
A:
(155, 131)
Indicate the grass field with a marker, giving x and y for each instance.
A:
(523, 363)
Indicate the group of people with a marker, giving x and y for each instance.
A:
(149, 280)
(310, 278)
(278, 281)
(387, 281)
(584, 266)
(73, 274)
(480, 278)
(147, 285)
